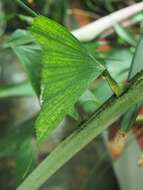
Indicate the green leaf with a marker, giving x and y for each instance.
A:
(137, 18)
(109, 5)
(18, 38)
(89, 102)
(20, 89)
(118, 62)
(29, 55)
(129, 118)
(126, 35)
(137, 62)
(67, 70)
(27, 19)
(25, 159)
(88, 96)
(15, 136)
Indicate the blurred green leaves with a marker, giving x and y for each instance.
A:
(118, 62)
(26, 158)
(137, 62)
(136, 65)
(125, 34)
(16, 90)
(15, 136)
(19, 144)
(29, 55)
(56, 9)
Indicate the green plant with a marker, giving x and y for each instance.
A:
(58, 52)
(61, 70)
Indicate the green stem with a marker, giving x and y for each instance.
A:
(117, 88)
(98, 122)
(27, 8)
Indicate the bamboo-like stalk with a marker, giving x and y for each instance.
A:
(94, 29)
(99, 121)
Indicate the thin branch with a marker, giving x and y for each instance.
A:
(24, 6)
(92, 30)
(98, 122)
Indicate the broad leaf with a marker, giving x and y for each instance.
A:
(67, 70)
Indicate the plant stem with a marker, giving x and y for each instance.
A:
(117, 88)
(27, 8)
(98, 122)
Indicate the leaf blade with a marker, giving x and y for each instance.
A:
(74, 67)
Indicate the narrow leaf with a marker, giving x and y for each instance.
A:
(136, 65)
(16, 90)
(137, 62)
(126, 35)
(25, 159)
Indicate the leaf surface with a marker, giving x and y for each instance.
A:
(67, 69)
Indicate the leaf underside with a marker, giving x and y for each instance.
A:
(67, 69)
